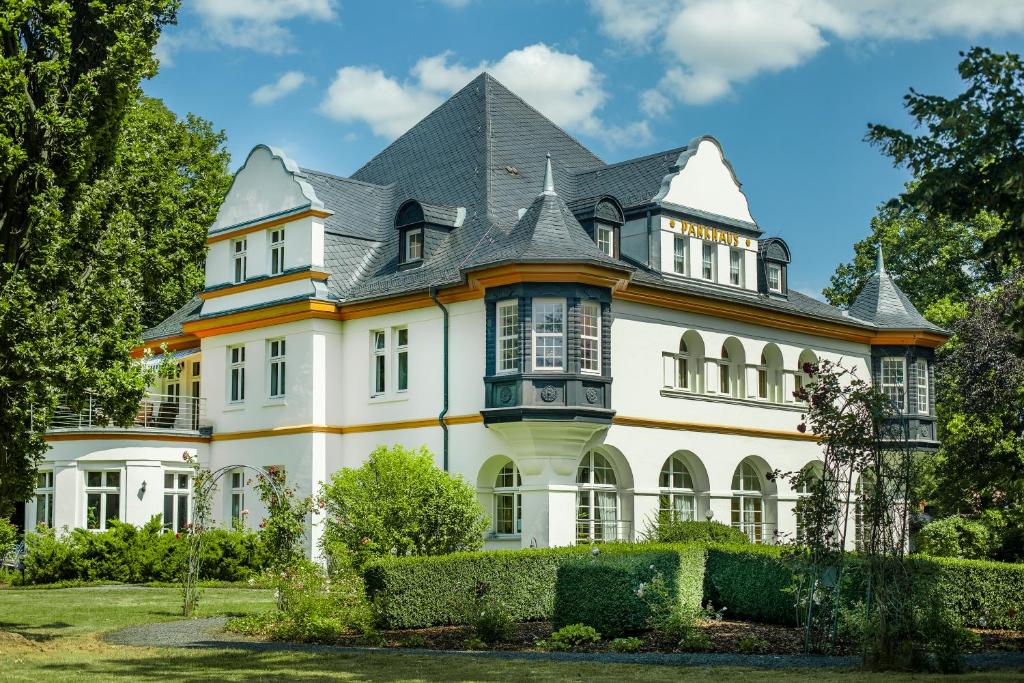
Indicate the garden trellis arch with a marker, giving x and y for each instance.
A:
(205, 483)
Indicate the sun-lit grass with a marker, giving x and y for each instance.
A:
(52, 635)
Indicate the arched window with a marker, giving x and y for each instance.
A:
(807, 360)
(809, 475)
(508, 506)
(762, 378)
(769, 374)
(731, 368)
(748, 502)
(597, 500)
(677, 499)
(683, 366)
(684, 369)
(724, 374)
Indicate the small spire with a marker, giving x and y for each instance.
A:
(880, 267)
(549, 179)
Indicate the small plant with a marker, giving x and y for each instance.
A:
(475, 643)
(572, 637)
(414, 640)
(696, 641)
(488, 615)
(752, 645)
(630, 644)
(372, 639)
(709, 612)
(946, 638)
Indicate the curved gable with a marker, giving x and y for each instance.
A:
(268, 184)
(703, 179)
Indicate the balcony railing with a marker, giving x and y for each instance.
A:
(156, 412)
(603, 530)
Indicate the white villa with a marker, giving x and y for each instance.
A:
(587, 343)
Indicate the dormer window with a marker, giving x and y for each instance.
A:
(774, 271)
(602, 218)
(605, 239)
(412, 241)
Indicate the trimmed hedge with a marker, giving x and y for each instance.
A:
(749, 581)
(983, 593)
(619, 593)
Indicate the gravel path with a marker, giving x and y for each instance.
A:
(210, 633)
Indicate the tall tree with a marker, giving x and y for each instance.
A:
(69, 304)
(970, 158)
(940, 263)
(172, 176)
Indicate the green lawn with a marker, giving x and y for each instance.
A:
(51, 635)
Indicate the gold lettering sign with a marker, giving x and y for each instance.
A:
(705, 232)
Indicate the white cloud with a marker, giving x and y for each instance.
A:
(271, 92)
(565, 88)
(713, 45)
(258, 25)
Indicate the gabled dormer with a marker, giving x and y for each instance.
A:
(773, 257)
(421, 227)
(602, 218)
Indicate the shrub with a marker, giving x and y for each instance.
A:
(488, 616)
(312, 606)
(628, 592)
(695, 640)
(751, 581)
(980, 593)
(670, 530)
(628, 645)
(8, 536)
(400, 503)
(572, 637)
(284, 529)
(752, 645)
(956, 536)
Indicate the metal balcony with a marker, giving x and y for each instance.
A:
(157, 412)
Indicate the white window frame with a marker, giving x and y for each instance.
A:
(505, 489)
(895, 389)
(43, 493)
(604, 235)
(590, 337)
(401, 357)
(179, 496)
(236, 374)
(104, 490)
(736, 267)
(378, 363)
(535, 335)
(741, 495)
(237, 500)
(407, 237)
(239, 260)
(589, 497)
(669, 493)
(776, 269)
(679, 250)
(707, 267)
(921, 370)
(506, 334)
(276, 368)
(276, 251)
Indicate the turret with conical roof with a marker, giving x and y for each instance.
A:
(884, 304)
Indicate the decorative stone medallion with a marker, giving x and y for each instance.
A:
(548, 393)
(505, 395)
(591, 395)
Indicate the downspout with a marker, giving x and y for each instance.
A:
(444, 355)
(650, 240)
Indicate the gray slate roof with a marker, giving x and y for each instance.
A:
(884, 305)
(484, 149)
(171, 326)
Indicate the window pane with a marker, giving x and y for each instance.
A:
(379, 375)
(92, 511)
(94, 479)
(113, 506)
(708, 263)
(113, 479)
(182, 520)
(679, 255)
(41, 509)
(168, 481)
(403, 371)
(403, 337)
(168, 512)
(182, 481)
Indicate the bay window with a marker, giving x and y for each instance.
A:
(894, 381)
(548, 334)
(921, 370)
(590, 337)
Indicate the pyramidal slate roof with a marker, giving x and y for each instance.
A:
(884, 305)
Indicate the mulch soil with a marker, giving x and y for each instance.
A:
(724, 636)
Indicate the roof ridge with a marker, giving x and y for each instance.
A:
(334, 176)
(630, 161)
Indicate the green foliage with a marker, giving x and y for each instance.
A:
(752, 582)
(312, 606)
(400, 503)
(955, 536)
(488, 616)
(752, 645)
(969, 157)
(134, 555)
(939, 263)
(70, 255)
(622, 593)
(980, 593)
(284, 529)
(572, 638)
(669, 530)
(8, 536)
(626, 645)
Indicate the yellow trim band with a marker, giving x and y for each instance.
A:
(755, 432)
(221, 236)
(348, 429)
(125, 436)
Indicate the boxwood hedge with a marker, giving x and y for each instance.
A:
(618, 593)
(984, 594)
(749, 581)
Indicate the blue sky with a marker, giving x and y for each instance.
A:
(787, 86)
